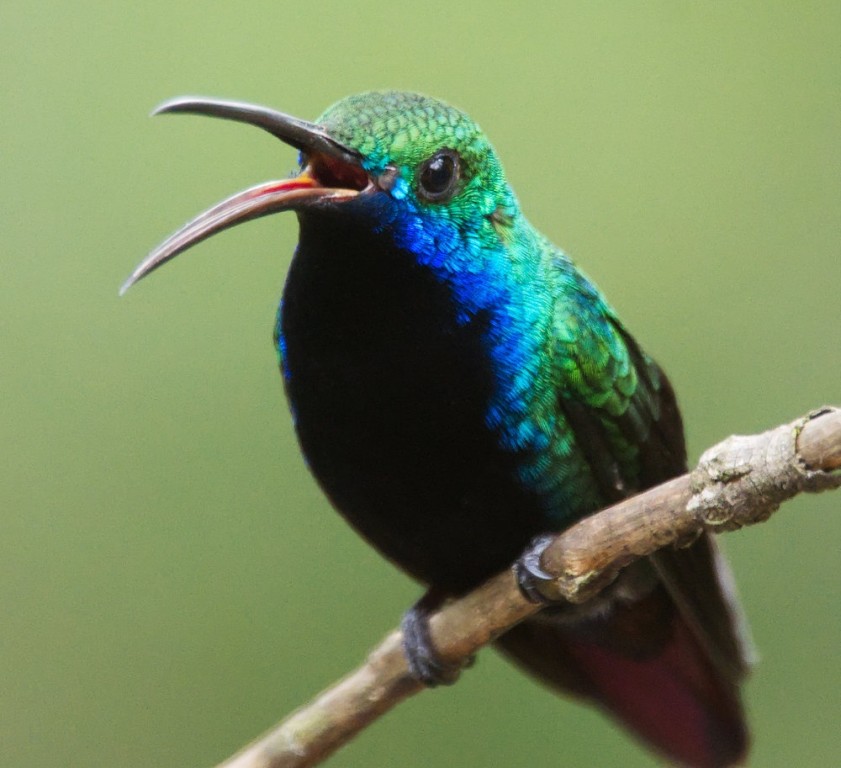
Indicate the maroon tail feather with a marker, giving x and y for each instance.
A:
(668, 693)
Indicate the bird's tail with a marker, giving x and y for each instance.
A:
(659, 684)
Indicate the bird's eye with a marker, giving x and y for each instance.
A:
(438, 176)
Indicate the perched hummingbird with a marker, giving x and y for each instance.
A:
(459, 388)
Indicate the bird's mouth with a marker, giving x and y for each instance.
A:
(333, 174)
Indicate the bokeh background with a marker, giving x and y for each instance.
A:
(171, 579)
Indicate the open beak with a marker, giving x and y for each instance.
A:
(333, 173)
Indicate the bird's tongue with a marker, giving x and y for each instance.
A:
(261, 200)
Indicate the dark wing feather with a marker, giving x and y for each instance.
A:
(677, 688)
(697, 577)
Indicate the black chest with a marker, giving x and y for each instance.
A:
(389, 394)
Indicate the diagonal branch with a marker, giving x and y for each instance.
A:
(739, 482)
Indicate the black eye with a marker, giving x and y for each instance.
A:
(438, 176)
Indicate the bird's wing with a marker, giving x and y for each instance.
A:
(623, 412)
(697, 577)
(668, 663)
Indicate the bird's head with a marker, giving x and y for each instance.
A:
(411, 165)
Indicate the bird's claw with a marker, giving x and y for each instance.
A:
(530, 574)
(424, 662)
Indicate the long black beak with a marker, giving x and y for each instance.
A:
(333, 173)
(308, 137)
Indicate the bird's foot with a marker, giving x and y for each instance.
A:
(424, 662)
(530, 574)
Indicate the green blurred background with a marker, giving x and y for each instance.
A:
(171, 580)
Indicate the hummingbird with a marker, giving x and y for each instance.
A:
(460, 389)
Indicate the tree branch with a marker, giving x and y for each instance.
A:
(739, 482)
